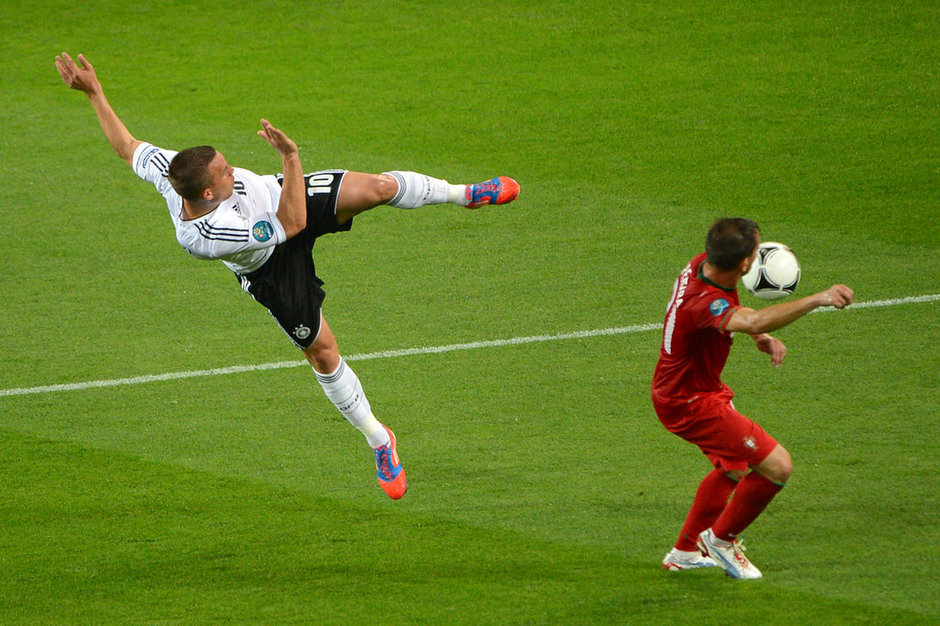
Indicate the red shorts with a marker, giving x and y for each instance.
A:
(730, 440)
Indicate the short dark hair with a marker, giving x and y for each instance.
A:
(731, 240)
(189, 171)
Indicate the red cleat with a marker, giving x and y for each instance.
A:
(499, 190)
(389, 471)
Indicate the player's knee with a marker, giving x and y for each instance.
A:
(323, 357)
(782, 467)
(787, 468)
(382, 189)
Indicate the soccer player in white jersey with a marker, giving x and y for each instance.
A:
(263, 228)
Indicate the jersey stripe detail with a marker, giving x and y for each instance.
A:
(727, 318)
(160, 162)
(208, 231)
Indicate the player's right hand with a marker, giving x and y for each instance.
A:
(81, 77)
(278, 140)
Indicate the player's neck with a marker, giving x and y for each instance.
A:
(726, 279)
(193, 210)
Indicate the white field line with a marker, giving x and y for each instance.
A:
(879, 303)
(389, 354)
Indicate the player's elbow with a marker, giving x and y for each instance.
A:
(752, 327)
(747, 321)
(126, 150)
(756, 324)
(122, 152)
(295, 226)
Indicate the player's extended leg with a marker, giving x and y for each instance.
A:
(343, 388)
(410, 190)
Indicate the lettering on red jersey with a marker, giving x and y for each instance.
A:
(678, 293)
(696, 343)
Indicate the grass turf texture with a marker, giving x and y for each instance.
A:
(542, 487)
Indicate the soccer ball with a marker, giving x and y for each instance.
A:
(775, 272)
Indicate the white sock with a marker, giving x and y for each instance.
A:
(416, 190)
(344, 390)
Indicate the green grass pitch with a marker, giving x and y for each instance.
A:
(542, 487)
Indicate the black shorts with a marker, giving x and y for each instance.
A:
(287, 284)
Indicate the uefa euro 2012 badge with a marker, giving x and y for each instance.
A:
(262, 231)
(719, 306)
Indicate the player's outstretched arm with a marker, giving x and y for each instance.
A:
(81, 76)
(776, 316)
(292, 207)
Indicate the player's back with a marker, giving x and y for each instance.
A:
(695, 343)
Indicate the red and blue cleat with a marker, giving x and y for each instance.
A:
(389, 471)
(499, 190)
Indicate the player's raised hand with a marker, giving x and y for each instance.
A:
(278, 140)
(80, 76)
(838, 296)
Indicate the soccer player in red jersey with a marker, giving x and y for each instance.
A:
(691, 400)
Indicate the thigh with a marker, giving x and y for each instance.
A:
(361, 192)
(730, 440)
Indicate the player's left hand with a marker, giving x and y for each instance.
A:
(772, 346)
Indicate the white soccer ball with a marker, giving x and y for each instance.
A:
(775, 272)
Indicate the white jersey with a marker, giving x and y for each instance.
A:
(241, 232)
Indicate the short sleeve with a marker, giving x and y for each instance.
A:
(152, 164)
(713, 310)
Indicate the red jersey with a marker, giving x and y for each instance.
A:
(695, 343)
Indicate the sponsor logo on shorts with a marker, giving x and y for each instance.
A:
(301, 332)
(719, 306)
(262, 231)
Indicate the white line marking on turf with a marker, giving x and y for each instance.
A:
(389, 354)
(513, 341)
(879, 303)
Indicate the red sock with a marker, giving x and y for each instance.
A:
(711, 498)
(750, 499)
